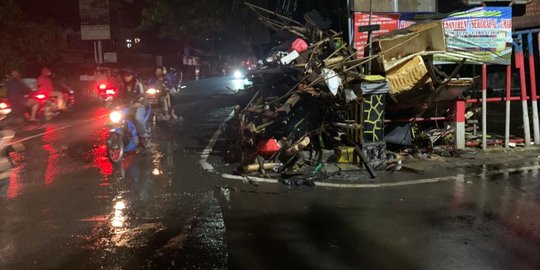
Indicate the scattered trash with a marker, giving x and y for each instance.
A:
(313, 103)
(333, 81)
(268, 147)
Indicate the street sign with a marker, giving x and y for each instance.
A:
(369, 28)
(95, 19)
(95, 32)
(110, 57)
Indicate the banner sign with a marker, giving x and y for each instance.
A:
(388, 22)
(483, 35)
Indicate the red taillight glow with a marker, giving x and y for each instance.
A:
(3, 105)
(102, 86)
(110, 92)
(40, 96)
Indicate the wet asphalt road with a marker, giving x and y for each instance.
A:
(66, 207)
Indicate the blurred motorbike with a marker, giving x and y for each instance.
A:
(6, 147)
(107, 93)
(160, 101)
(48, 106)
(10, 118)
(5, 109)
(123, 135)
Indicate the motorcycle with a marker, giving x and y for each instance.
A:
(123, 136)
(6, 147)
(107, 94)
(159, 100)
(9, 117)
(176, 79)
(5, 109)
(48, 107)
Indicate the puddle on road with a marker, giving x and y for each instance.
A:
(14, 186)
(138, 206)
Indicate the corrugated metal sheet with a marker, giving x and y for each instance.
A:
(531, 19)
(403, 5)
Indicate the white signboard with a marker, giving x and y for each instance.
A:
(95, 21)
(110, 57)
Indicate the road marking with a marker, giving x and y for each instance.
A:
(458, 177)
(56, 129)
(210, 147)
(347, 185)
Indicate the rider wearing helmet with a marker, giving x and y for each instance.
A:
(132, 94)
(164, 85)
(19, 95)
(45, 85)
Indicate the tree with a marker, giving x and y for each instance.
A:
(24, 43)
(187, 20)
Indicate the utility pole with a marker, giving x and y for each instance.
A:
(370, 36)
(350, 13)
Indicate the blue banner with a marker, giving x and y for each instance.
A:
(482, 35)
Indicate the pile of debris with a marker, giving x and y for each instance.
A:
(313, 105)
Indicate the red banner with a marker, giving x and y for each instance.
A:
(388, 23)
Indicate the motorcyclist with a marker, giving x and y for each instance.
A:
(132, 94)
(19, 95)
(45, 85)
(162, 83)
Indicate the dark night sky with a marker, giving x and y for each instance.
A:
(64, 12)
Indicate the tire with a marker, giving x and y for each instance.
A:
(115, 147)
(146, 143)
(47, 114)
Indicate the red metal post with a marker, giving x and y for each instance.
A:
(508, 82)
(532, 69)
(508, 107)
(534, 103)
(460, 123)
(520, 63)
(484, 107)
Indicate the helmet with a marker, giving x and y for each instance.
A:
(127, 72)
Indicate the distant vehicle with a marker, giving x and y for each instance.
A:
(5, 110)
(48, 107)
(106, 93)
(237, 72)
(160, 101)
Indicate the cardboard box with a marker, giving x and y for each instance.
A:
(411, 74)
(346, 154)
(418, 39)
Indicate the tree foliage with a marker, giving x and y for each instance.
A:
(188, 20)
(24, 43)
(184, 18)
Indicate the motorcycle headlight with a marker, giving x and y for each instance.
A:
(115, 117)
(238, 74)
(151, 91)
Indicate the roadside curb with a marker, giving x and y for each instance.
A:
(253, 179)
